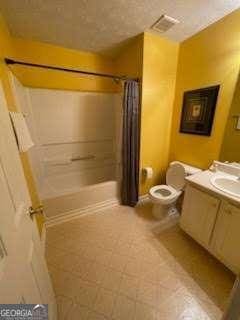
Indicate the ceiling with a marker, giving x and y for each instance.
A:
(102, 25)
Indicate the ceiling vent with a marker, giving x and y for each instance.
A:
(164, 23)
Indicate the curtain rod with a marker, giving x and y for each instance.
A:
(43, 66)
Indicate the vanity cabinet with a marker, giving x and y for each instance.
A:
(199, 214)
(226, 237)
(214, 223)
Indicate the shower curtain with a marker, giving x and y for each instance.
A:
(130, 144)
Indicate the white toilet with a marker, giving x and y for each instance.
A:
(164, 197)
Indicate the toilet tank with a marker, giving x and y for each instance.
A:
(176, 173)
(189, 170)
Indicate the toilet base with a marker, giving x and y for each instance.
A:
(160, 211)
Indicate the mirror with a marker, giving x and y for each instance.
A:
(230, 150)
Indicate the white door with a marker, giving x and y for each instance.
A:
(226, 238)
(199, 214)
(24, 275)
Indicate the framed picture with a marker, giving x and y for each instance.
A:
(198, 110)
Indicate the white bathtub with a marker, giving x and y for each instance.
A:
(83, 199)
(77, 149)
(60, 184)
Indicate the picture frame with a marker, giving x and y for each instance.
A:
(198, 110)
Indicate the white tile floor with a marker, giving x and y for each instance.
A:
(122, 264)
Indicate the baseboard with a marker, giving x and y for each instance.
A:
(143, 198)
(76, 213)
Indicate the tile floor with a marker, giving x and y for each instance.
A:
(122, 264)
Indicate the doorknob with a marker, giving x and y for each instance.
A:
(33, 211)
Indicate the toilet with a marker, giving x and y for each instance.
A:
(164, 197)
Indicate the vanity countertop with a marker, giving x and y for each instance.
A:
(202, 179)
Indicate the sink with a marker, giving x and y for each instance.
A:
(228, 184)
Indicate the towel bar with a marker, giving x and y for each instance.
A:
(75, 142)
(83, 158)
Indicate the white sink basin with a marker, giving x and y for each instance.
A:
(228, 184)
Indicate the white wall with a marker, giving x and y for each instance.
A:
(71, 124)
(68, 116)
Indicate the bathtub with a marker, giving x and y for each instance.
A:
(77, 151)
(80, 200)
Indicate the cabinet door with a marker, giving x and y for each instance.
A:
(226, 239)
(199, 214)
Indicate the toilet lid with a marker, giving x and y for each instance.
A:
(175, 176)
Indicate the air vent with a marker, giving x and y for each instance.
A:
(164, 23)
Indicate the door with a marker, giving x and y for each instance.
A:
(199, 214)
(226, 238)
(24, 276)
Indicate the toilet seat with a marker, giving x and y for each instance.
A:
(164, 194)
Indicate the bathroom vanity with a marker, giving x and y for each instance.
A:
(212, 216)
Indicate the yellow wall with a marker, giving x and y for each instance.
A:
(159, 76)
(211, 57)
(42, 53)
(230, 150)
(129, 62)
